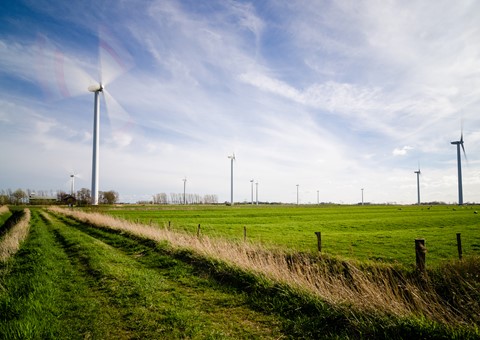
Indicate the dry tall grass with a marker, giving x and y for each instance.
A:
(377, 289)
(3, 209)
(10, 242)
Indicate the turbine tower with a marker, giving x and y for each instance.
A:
(297, 194)
(418, 172)
(72, 185)
(251, 181)
(96, 89)
(184, 188)
(459, 165)
(232, 158)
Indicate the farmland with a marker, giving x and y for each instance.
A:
(80, 274)
(380, 233)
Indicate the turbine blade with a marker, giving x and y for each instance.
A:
(464, 153)
(59, 75)
(121, 123)
(114, 59)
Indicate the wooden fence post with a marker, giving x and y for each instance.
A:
(244, 233)
(319, 240)
(420, 252)
(198, 230)
(168, 225)
(459, 245)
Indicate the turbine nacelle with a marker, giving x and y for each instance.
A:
(96, 88)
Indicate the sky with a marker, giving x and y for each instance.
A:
(332, 96)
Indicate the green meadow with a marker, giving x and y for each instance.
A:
(82, 275)
(380, 232)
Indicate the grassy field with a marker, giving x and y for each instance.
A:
(381, 233)
(83, 275)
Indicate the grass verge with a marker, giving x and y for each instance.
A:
(14, 232)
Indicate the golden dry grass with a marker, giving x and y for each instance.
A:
(11, 241)
(3, 209)
(377, 289)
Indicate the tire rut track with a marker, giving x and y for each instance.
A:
(95, 301)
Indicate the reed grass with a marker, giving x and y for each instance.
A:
(12, 239)
(381, 289)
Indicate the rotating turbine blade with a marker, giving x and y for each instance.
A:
(121, 123)
(59, 75)
(114, 59)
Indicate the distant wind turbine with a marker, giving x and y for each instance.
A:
(251, 181)
(459, 165)
(418, 172)
(184, 190)
(72, 184)
(232, 159)
(297, 194)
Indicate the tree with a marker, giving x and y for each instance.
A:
(19, 196)
(108, 197)
(83, 196)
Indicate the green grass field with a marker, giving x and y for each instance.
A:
(381, 233)
(74, 278)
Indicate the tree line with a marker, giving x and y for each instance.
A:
(81, 197)
(174, 198)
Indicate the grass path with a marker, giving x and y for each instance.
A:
(66, 283)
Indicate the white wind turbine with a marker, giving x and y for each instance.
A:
(232, 159)
(418, 172)
(112, 64)
(72, 183)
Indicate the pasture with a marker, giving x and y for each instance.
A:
(380, 233)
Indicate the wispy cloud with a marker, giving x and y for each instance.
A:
(314, 93)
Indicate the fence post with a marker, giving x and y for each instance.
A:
(244, 233)
(420, 252)
(168, 225)
(459, 245)
(319, 240)
(198, 230)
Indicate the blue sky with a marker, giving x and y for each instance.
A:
(334, 96)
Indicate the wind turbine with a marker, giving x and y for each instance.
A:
(72, 184)
(459, 165)
(184, 188)
(251, 181)
(418, 172)
(232, 158)
(297, 194)
(111, 66)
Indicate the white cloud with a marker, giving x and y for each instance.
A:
(401, 151)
